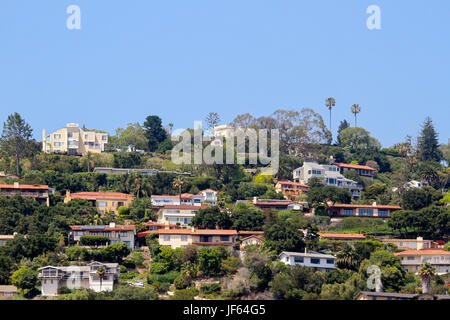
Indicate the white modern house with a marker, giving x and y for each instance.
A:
(318, 261)
(207, 196)
(329, 174)
(178, 214)
(79, 277)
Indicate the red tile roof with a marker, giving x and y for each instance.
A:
(250, 232)
(423, 252)
(353, 166)
(144, 233)
(100, 196)
(24, 186)
(342, 235)
(293, 183)
(253, 236)
(340, 205)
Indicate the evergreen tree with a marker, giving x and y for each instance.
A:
(343, 125)
(154, 132)
(428, 145)
(16, 138)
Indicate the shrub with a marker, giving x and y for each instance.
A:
(168, 277)
(64, 290)
(180, 282)
(185, 294)
(93, 240)
(208, 288)
(159, 267)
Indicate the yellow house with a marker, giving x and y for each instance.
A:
(74, 140)
(104, 201)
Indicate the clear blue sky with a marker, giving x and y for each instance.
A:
(181, 59)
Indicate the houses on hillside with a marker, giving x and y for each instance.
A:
(79, 277)
(74, 141)
(330, 175)
(4, 238)
(38, 192)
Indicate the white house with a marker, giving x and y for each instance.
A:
(329, 174)
(318, 261)
(78, 277)
(181, 214)
(412, 260)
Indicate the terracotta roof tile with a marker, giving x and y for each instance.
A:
(100, 196)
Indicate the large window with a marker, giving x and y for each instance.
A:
(366, 212)
(382, 213)
(348, 212)
(224, 238)
(330, 261)
(298, 259)
(315, 260)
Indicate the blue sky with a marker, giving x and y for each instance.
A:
(181, 59)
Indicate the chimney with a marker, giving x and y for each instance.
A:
(112, 224)
(255, 200)
(16, 185)
(419, 243)
(193, 229)
(374, 203)
(217, 227)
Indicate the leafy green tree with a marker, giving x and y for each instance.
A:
(133, 134)
(428, 145)
(93, 240)
(283, 236)
(211, 217)
(358, 138)
(116, 252)
(415, 199)
(16, 138)
(210, 261)
(426, 272)
(24, 278)
(247, 217)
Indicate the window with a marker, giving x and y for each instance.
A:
(382, 213)
(330, 261)
(124, 234)
(315, 261)
(319, 172)
(348, 212)
(298, 259)
(166, 238)
(224, 238)
(183, 237)
(101, 204)
(57, 136)
(104, 138)
(366, 212)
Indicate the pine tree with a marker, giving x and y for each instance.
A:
(16, 138)
(428, 145)
(343, 125)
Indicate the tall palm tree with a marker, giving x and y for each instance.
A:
(330, 103)
(426, 272)
(178, 184)
(101, 274)
(347, 257)
(355, 110)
